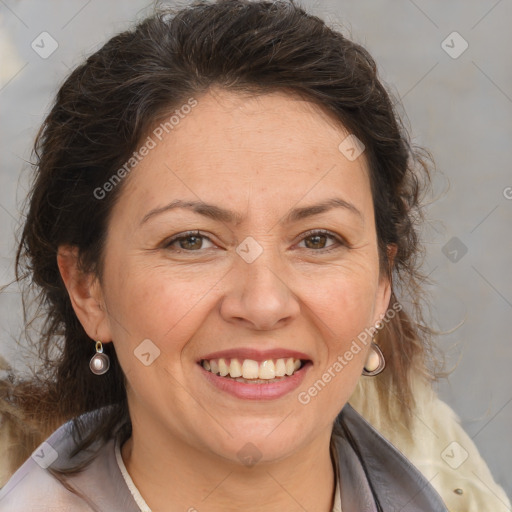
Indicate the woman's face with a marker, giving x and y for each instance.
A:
(257, 282)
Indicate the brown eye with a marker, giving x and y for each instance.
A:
(189, 242)
(318, 240)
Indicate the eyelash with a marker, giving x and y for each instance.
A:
(183, 236)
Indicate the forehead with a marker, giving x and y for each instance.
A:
(277, 122)
(230, 147)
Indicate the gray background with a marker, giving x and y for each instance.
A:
(460, 108)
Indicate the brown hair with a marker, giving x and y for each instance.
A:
(110, 102)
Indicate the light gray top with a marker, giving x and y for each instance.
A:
(369, 471)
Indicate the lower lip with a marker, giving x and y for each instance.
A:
(270, 391)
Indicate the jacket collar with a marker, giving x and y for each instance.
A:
(373, 473)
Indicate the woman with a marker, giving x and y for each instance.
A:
(223, 207)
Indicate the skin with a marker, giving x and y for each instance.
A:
(267, 154)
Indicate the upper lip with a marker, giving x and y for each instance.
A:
(255, 354)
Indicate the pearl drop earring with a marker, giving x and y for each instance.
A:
(375, 362)
(100, 362)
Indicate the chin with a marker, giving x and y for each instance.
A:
(270, 441)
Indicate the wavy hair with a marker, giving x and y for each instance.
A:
(105, 108)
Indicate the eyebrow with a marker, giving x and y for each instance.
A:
(221, 214)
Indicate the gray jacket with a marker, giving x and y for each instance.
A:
(374, 476)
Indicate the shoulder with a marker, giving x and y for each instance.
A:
(34, 488)
(438, 446)
(48, 481)
(31, 488)
(445, 453)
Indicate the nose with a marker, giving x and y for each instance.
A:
(259, 296)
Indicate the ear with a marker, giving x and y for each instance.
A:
(385, 286)
(85, 294)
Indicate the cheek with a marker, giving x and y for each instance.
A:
(345, 309)
(158, 303)
(344, 298)
(343, 313)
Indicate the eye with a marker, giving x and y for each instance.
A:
(317, 240)
(193, 241)
(190, 241)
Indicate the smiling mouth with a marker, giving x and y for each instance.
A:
(253, 372)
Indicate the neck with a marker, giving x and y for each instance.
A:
(174, 476)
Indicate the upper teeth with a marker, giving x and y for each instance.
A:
(250, 369)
